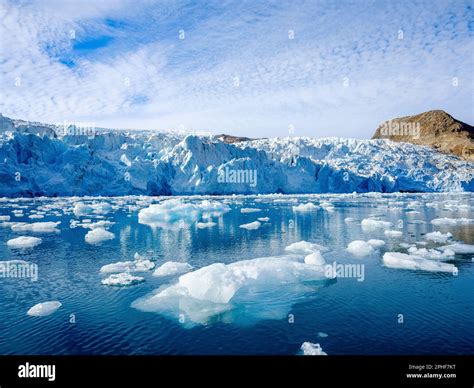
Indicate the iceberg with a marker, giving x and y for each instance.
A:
(438, 237)
(39, 227)
(310, 349)
(404, 261)
(98, 235)
(305, 207)
(458, 248)
(122, 280)
(360, 248)
(24, 242)
(44, 309)
(251, 226)
(305, 248)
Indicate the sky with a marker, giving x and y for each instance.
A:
(250, 68)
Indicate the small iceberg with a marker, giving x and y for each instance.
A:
(98, 235)
(310, 349)
(172, 268)
(24, 242)
(122, 280)
(44, 309)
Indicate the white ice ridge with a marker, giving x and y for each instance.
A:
(44, 309)
(172, 268)
(98, 235)
(179, 213)
(219, 287)
(251, 225)
(140, 264)
(82, 209)
(310, 349)
(159, 163)
(122, 279)
(416, 262)
(24, 242)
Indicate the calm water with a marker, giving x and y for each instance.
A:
(358, 317)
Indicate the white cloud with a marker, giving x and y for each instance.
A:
(149, 78)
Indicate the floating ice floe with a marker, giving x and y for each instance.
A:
(172, 268)
(140, 264)
(432, 254)
(414, 262)
(393, 233)
(98, 235)
(263, 219)
(451, 221)
(246, 210)
(459, 248)
(348, 220)
(328, 206)
(305, 207)
(204, 225)
(177, 213)
(369, 224)
(36, 216)
(24, 242)
(251, 226)
(310, 349)
(360, 248)
(39, 227)
(305, 248)
(219, 288)
(99, 224)
(4, 218)
(44, 309)
(376, 243)
(438, 237)
(81, 209)
(122, 279)
(322, 335)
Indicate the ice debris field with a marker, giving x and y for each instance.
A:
(423, 234)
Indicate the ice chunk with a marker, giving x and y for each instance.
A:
(172, 268)
(305, 207)
(39, 227)
(315, 258)
(121, 266)
(4, 218)
(305, 248)
(24, 242)
(376, 243)
(81, 209)
(176, 212)
(322, 335)
(348, 220)
(438, 237)
(459, 248)
(451, 221)
(310, 349)
(263, 219)
(360, 248)
(37, 216)
(44, 309)
(251, 226)
(122, 279)
(326, 205)
(413, 262)
(99, 224)
(393, 233)
(98, 235)
(203, 225)
(245, 210)
(369, 224)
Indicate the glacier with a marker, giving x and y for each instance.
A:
(45, 160)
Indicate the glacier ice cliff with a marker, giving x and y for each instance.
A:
(39, 159)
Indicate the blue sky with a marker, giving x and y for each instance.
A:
(255, 68)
